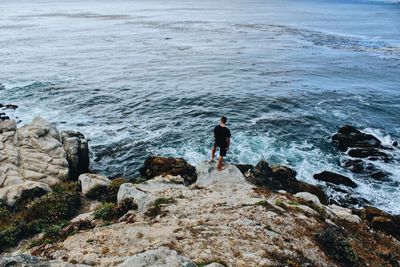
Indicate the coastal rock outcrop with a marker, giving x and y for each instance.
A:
(334, 178)
(156, 166)
(281, 178)
(34, 152)
(157, 257)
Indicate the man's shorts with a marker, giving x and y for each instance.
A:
(222, 150)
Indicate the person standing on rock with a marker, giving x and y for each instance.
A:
(222, 137)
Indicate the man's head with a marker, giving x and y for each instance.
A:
(224, 119)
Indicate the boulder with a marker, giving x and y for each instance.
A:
(91, 182)
(308, 197)
(343, 213)
(77, 149)
(348, 136)
(386, 225)
(208, 174)
(368, 213)
(382, 221)
(335, 178)
(14, 194)
(281, 178)
(143, 200)
(156, 166)
(157, 257)
(312, 189)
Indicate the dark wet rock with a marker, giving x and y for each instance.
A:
(334, 178)
(356, 166)
(243, 168)
(381, 221)
(281, 178)
(348, 136)
(395, 143)
(155, 166)
(11, 106)
(368, 213)
(371, 153)
(77, 149)
(4, 118)
(370, 171)
(386, 225)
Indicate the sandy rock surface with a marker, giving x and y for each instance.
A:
(204, 224)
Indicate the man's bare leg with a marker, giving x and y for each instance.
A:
(220, 164)
(213, 153)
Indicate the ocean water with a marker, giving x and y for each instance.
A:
(144, 78)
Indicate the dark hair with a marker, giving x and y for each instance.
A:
(223, 119)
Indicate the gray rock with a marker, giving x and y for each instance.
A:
(309, 197)
(143, 200)
(15, 193)
(77, 149)
(26, 260)
(90, 181)
(208, 174)
(157, 258)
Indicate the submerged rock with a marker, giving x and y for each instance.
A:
(334, 178)
(156, 166)
(370, 170)
(157, 257)
(348, 136)
(371, 153)
(281, 178)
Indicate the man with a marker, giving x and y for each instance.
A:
(222, 137)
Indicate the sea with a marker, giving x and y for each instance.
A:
(152, 77)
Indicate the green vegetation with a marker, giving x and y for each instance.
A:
(337, 246)
(156, 208)
(280, 203)
(40, 214)
(59, 232)
(107, 193)
(293, 203)
(112, 211)
(205, 263)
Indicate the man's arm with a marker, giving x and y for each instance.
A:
(228, 138)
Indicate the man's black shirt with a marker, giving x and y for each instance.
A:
(220, 135)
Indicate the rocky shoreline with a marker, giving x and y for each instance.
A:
(54, 212)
